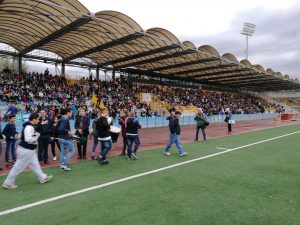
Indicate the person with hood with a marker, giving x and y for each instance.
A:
(27, 156)
(202, 123)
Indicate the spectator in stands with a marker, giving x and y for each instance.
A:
(12, 109)
(202, 122)
(10, 133)
(175, 135)
(65, 139)
(27, 155)
(132, 135)
(82, 124)
(45, 128)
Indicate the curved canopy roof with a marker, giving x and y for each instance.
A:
(113, 39)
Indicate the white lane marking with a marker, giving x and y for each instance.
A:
(221, 148)
(27, 206)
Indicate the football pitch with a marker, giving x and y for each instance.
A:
(247, 179)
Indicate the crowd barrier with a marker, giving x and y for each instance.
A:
(156, 122)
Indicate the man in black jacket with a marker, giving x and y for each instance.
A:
(103, 127)
(175, 131)
(82, 124)
(10, 137)
(132, 136)
(45, 128)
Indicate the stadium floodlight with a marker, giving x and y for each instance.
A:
(248, 30)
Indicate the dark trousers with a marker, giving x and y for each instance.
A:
(130, 140)
(81, 147)
(53, 146)
(124, 144)
(10, 147)
(229, 126)
(44, 141)
(197, 132)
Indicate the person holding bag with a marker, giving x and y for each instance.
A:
(202, 123)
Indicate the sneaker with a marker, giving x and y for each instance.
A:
(48, 178)
(167, 153)
(64, 167)
(54, 158)
(133, 156)
(103, 162)
(84, 157)
(9, 186)
(183, 154)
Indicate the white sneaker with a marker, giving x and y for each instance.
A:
(64, 167)
(133, 156)
(9, 186)
(54, 158)
(48, 178)
(167, 153)
(183, 154)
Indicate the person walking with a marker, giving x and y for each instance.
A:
(228, 120)
(54, 138)
(103, 126)
(82, 124)
(122, 119)
(45, 128)
(95, 135)
(175, 131)
(202, 123)
(65, 139)
(27, 154)
(1, 139)
(132, 136)
(10, 133)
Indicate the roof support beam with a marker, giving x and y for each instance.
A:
(204, 68)
(248, 75)
(72, 26)
(185, 64)
(219, 72)
(110, 44)
(155, 59)
(140, 55)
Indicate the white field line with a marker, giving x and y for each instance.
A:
(221, 148)
(27, 206)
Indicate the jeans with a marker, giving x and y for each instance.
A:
(95, 144)
(64, 158)
(44, 141)
(10, 147)
(130, 140)
(105, 148)
(197, 132)
(174, 138)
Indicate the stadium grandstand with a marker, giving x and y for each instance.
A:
(151, 72)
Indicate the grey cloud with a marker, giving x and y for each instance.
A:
(275, 44)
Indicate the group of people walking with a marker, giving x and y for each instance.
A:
(40, 131)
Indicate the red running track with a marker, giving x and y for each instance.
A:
(158, 137)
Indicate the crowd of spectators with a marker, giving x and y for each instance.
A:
(34, 91)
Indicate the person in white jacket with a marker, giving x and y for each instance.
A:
(26, 154)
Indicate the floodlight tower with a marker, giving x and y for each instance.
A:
(248, 30)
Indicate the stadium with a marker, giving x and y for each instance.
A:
(238, 123)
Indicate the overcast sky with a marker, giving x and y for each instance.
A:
(275, 44)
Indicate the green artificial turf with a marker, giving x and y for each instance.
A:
(254, 185)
